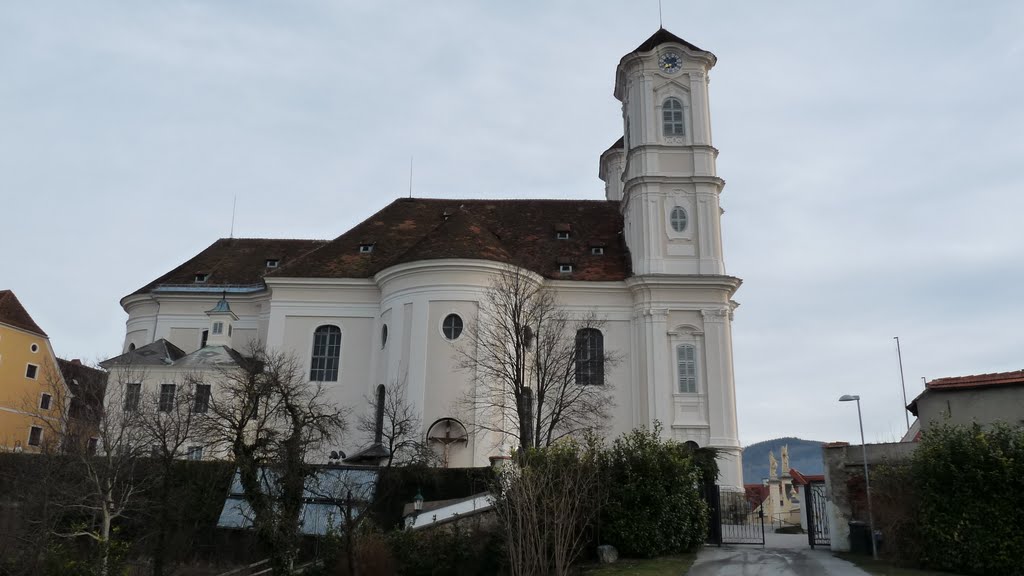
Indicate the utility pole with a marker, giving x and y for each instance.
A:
(899, 355)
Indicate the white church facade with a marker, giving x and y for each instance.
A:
(392, 297)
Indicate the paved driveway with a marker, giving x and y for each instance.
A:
(782, 556)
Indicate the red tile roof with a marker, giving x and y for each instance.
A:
(234, 261)
(804, 479)
(520, 232)
(756, 493)
(14, 314)
(977, 381)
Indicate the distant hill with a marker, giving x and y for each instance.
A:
(804, 455)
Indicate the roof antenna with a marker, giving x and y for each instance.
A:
(233, 204)
(410, 176)
(660, 22)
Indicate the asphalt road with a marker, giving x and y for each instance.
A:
(781, 557)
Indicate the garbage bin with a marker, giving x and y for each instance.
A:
(860, 538)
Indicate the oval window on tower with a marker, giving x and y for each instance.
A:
(452, 326)
(678, 219)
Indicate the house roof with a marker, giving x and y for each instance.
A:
(663, 36)
(14, 314)
(993, 380)
(519, 232)
(233, 262)
(87, 386)
(804, 479)
(158, 353)
(756, 493)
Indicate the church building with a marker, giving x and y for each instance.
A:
(392, 297)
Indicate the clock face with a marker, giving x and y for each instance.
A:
(670, 62)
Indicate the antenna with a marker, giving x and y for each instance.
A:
(661, 23)
(233, 204)
(902, 383)
(410, 176)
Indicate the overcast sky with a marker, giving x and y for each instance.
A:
(873, 154)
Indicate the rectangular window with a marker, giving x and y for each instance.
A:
(31, 371)
(562, 235)
(202, 403)
(686, 365)
(44, 401)
(91, 446)
(167, 397)
(218, 327)
(597, 250)
(132, 393)
(35, 436)
(565, 268)
(194, 453)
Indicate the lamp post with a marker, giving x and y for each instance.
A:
(867, 481)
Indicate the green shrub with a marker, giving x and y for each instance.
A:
(653, 505)
(446, 550)
(967, 483)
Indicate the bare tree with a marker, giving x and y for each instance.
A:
(534, 360)
(269, 417)
(105, 442)
(394, 424)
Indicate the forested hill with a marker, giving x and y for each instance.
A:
(804, 455)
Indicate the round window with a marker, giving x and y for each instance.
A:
(34, 347)
(678, 219)
(452, 326)
(383, 336)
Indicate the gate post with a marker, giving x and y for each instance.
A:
(809, 498)
(715, 522)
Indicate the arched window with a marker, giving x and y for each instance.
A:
(589, 357)
(686, 367)
(131, 347)
(326, 354)
(672, 117)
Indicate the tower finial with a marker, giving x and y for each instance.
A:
(661, 23)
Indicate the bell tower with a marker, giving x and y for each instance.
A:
(663, 169)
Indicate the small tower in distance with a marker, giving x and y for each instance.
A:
(221, 319)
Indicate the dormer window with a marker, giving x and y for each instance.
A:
(563, 231)
(201, 277)
(565, 267)
(597, 250)
(272, 262)
(365, 248)
(218, 327)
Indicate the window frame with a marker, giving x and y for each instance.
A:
(456, 329)
(590, 341)
(326, 365)
(692, 376)
(39, 441)
(168, 393)
(202, 399)
(34, 369)
(672, 219)
(132, 396)
(45, 401)
(217, 329)
(672, 117)
(194, 452)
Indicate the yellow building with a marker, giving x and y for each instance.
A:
(31, 385)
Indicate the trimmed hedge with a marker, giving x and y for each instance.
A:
(967, 483)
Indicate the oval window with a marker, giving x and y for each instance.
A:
(678, 219)
(34, 347)
(452, 326)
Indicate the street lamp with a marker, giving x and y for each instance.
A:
(867, 481)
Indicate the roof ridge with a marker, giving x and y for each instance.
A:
(13, 313)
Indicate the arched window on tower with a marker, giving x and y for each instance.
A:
(589, 357)
(672, 117)
(326, 354)
(686, 368)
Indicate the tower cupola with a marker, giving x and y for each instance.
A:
(221, 320)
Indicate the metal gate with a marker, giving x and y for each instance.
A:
(734, 518)
(817, 515)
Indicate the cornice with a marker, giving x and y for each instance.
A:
(320, 283)
(399, 271)
(649, 281)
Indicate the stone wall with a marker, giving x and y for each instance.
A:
(844, 463)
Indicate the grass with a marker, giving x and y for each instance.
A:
(664, 566)
(883, 568)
